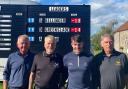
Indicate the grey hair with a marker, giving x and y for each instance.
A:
(49, 37)
(24, 36)
(107, 35)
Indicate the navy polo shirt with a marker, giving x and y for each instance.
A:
(18, 69)
(112, 70)
(79, 70)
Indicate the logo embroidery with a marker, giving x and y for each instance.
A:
(118, 62)
(85, 64)
(70, 64)
(56, 65)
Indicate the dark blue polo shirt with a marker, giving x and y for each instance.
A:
(18, 69)
(111, 71)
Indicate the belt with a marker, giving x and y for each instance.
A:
(45, 87)
(18, 88)
(38, 87)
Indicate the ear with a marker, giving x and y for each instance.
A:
(71, 43)
(17, 44)
(101, 43)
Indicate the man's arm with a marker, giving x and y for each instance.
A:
(62, 87)
(6, 74)
(64, 75)
(31, 80)
(5, 84)
(125, 60)
(95, 64)
(126, 81)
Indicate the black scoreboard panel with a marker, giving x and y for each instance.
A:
(60, 21)
(37, 21)
(12, 23)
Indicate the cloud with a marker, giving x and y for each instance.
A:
(57, 3)
(95, 6)
(103, 11)
(34, 0)
(75, 1)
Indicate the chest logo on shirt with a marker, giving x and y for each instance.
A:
(118, 62)
(56, 65)
(85, 64)
(70, 64)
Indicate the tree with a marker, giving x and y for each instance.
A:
(95, 39)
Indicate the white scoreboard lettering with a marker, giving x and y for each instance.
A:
(55, 20)
(58, 9)
(56, 29)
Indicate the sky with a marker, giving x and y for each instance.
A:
(102, 11)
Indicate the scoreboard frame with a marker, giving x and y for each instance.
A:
(37, 21)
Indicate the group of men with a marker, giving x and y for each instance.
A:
(50, 70)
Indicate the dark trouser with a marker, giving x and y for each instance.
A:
(17, 88)
(37, 87)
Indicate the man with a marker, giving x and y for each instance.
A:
(16, 73)
(110, 66)
(47, 70)
(79, 65)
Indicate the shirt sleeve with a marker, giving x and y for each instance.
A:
(7, 70)
(33, 68)
(65, 61)
(64, 74)
(95, 64)
(125, 64)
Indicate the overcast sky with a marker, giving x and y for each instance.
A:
(102, 11)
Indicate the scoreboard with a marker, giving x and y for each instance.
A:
(60, 21)
(37, 21)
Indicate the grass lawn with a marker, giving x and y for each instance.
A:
(0, 85)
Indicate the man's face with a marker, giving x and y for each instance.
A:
(107, 44)
(77, 47)
(49, 46)
(23, 45)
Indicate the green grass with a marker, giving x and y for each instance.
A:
(0, 85)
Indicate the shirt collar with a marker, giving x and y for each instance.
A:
(81, 54)
(18, 52)
(113, 52)
(48, 55)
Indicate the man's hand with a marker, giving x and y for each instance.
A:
(5, 84)
(62, 87)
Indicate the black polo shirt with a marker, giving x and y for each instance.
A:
(48, 70)
(110, 71)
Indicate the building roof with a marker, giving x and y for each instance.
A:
(123, 27)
